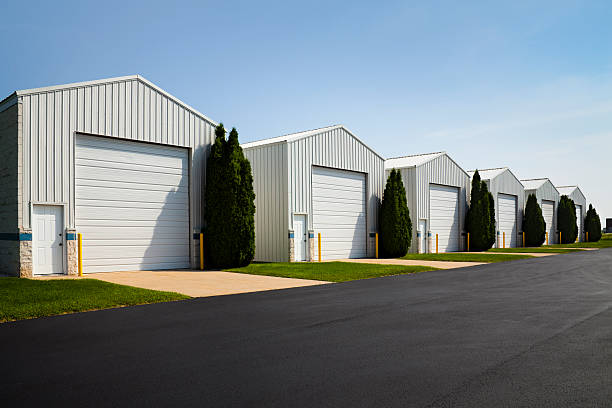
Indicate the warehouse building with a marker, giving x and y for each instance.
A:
(436, 192)
(548, 199)
(509, 195)
(579, 199)
(324, 181)
(118, 160)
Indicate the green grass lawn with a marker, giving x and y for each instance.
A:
(328, 271)
(535, 250)
(471, 257)
(604, 242)
(26, 298)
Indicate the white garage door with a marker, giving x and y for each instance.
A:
(132, 205)
(579, 221)
(507, 222)
(339, 213)
(548, 212)
(444, 217)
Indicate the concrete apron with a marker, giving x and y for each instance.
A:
(201, 283)
(534, 254)
(411, 262)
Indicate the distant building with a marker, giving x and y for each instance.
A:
(609, 225)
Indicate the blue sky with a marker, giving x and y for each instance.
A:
(523, 85)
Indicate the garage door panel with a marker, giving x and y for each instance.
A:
(131, 176)
(548, 212)
(130, 218)
(444, 217)
(339, 212)
(507, 206)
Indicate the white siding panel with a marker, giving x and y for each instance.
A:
(131, 218)
(269, 168)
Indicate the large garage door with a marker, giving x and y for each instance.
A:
(548, 212)
(339, 212)
(444, 217)
(506, 214)
(132, 205)
(579, 222)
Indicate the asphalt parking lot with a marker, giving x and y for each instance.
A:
(534, 332)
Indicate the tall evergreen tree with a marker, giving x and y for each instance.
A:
(395, 223)
(478, 218)
(534, 225)
(230, 209)
(566, 220)
(592, 224)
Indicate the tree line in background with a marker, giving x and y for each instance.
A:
(396, 225)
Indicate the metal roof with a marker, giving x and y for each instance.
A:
(12, 98)
(488, 174)
(534, 184)
(411, 161)
(302, 135)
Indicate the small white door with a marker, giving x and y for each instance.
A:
(422, 236)
(47, 239)
(299, 237)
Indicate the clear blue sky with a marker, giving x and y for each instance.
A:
(523, 85)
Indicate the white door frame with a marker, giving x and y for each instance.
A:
(301, 240)
(422, 240)
(63, 232)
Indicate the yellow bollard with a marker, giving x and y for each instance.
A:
(468, 248)
(587, 234)
(319, 247)
(80, 259)
(377, 245)
(504, 234)
(523, 239)
(546, 237)
(201, 251)
(436, 243)
(560, 236)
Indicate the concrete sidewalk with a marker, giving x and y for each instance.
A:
(412, 262)
(201, 283)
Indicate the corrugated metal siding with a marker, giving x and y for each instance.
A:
(269, 167)
(128, 109)
(338, 149)
(546, 192)
(441, 170)
(506, 183)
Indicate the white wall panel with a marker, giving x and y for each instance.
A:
(270, 183)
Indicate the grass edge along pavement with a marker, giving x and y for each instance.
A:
(328, 271)
(465, 257)
(535, 250)
(22, 298)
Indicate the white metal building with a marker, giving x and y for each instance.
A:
(579, 199)
(324, 181)
(548, 199)
(436, 192)
(119, 160)
(508, 193)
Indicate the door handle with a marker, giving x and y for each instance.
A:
(60, 244)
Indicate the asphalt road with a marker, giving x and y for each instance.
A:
(534, 332)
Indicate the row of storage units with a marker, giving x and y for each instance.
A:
(122, 162)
